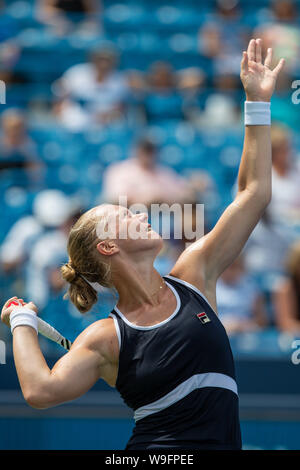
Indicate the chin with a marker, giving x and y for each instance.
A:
(153, 241)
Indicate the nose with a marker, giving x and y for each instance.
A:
(143, 216)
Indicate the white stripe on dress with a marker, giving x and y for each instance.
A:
(209, 379)
(117, 328)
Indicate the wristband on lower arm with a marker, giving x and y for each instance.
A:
(257, 113)
(23, 316)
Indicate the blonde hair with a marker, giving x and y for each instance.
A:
(85, 263)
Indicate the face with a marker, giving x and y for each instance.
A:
(14, 127)
(161, 76)
(104, 64)
(146, 157)
(281, 153)
(126, 230)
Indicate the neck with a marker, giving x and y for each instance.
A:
(138, 284)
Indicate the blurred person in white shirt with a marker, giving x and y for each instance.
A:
(269, 242)
(92, 93)
(285, 203)
(23, 248)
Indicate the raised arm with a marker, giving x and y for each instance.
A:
(90, 358)
(202, 263)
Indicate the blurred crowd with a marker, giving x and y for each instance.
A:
(143, 100)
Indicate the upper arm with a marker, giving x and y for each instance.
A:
(204, 261)
(78, 370)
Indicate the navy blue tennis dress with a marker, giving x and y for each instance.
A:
(178, 377)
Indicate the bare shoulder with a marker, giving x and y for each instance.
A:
(195, 273)
(100, 337)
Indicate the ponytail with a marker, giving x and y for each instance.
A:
(80, 292)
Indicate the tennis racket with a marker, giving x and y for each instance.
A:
(48, 331)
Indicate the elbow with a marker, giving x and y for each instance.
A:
(261, 195)
(265, 199)
(36, 400)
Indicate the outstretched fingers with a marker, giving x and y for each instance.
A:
(251, 51)
(279, 67)
(258, 50)
(244, 63)
(268, 59)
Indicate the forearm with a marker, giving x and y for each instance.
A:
(255, 172)
(259, 83)
(32, 369)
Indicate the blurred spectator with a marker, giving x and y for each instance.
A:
(166, 92)
(143, 180)
(266, 249)
(19, 162)
(225, 97)
(282, 33)
(51, 208)
(267, 246)
(66, 15)
(223, 37)
(240, 302)
(9, 47)
(287, 294)
(37, 244)
(285, 203)
(162, 100)
(94, 92)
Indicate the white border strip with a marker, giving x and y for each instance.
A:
(209, 379)
(151, 327)
(195, 289)
(116, 327)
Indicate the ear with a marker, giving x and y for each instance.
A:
(107, 248)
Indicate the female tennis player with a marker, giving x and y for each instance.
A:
(163, 346)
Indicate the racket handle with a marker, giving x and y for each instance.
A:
(51, 333)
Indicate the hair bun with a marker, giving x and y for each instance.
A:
(68, 272)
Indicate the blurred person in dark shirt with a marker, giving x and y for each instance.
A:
(223, 36)
(165, 92)
(287, 294)
(19, 162)
(65, 15)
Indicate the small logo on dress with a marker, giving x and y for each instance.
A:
(203, 317)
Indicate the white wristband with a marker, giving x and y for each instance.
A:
(257, 113)
(23, 316)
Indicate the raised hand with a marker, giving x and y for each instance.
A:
(257, 77)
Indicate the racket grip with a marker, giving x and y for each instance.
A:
(51, 333)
